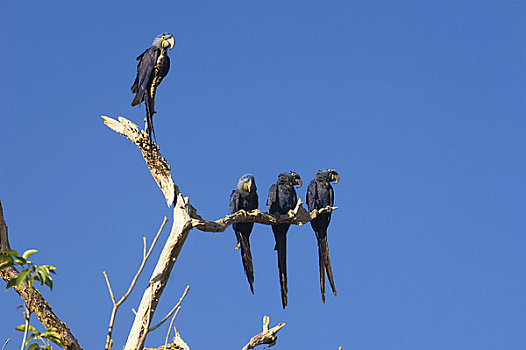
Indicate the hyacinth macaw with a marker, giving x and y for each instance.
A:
(153, 66)
(320, 194)
(245, 197)
(282, 198)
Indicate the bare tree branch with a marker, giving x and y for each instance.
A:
(116, 304)
(8, 339)
(158, 166)
(185, 218)
(298, 216)
(180, 229)
(38, 304)
(172, 311)
(268, 336)
(170, 326)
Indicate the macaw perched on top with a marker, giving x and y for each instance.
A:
(153, 66)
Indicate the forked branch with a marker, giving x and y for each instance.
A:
(298, 216)
(116, 304)
(185, 218)
(158, 166)
(267, 336)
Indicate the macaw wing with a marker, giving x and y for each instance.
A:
(145, 71)
(311, 195)
(234, 201)
(134, 87)
(331, 196)
(254, 204)
(272, 199)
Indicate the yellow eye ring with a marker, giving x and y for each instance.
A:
(162, 37)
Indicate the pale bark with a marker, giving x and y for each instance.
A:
(185, 218)
(116, 304)
(267, 336)
(158, 166)
(298, 216)
(180, 228)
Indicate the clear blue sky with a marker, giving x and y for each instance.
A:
(419, 105)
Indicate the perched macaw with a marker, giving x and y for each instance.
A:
(153, 66)
(320, 194)
(282, 198)
(245, 197)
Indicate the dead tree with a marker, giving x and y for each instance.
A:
(185, 218)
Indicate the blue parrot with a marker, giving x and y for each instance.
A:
(245, 197)
(282, 197)
(153, 66)
(319, 195)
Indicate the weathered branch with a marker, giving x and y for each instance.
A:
(298, 216)
(185, 218)
(176, 307)
(177, 339)
(268, 336)
(158, 166)
(7, 341)
(116, 304)
(177, 344)
(38, 305)
(180, 228)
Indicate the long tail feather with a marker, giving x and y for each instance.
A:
(149, 120)
(325, 265)
(136, 99)
(322, 273)
(246, 257)
(281, 247)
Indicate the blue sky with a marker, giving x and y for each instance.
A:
(419, 105)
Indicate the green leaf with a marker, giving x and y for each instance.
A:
(57, 341)
(39, 276)
(5, 257)
(36, 335)
(10, 283)
(28, 253)
(11, 252)
(22, 328)
(20, 306)
(49, 283)
(6, 264)
(22, 277)
(20, 261)
(51, 333)
(34, 346)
